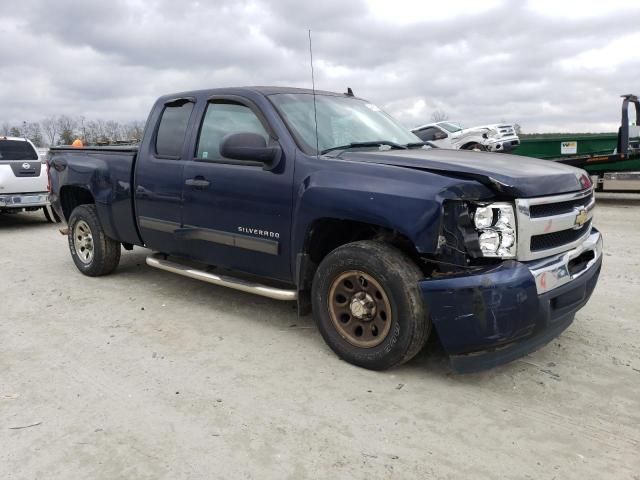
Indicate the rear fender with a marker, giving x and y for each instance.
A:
(89, 174)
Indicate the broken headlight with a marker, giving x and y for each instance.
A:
(496, 226)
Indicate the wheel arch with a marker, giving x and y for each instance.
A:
(325, 234)
(72, 196)
(468, 145)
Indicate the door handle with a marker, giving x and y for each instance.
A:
(198, 182)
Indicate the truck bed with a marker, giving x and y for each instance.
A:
(106, 172)
(107, 148)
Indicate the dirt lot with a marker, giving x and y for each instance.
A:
(145, 374)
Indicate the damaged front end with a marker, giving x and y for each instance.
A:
(489, 308)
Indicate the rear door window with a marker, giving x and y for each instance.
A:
(17, 150)
(173, 128)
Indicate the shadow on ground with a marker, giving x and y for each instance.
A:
(23, 220)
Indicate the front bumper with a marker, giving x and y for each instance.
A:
(503, 144)
(495, 315)
(24, 200)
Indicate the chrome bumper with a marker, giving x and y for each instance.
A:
(24, 200)
(553, 272)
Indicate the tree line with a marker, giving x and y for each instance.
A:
(64, 129)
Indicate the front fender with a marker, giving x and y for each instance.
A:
(411, 208)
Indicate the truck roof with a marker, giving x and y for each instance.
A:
(15, 139)
(264, 90)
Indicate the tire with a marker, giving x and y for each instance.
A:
(51, 215)
(92, 251)
(367, 338)
(476, 146)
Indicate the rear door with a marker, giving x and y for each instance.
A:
(158, 176)
(236, 214)
(20, 168)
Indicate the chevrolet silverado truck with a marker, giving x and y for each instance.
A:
(324, 199)
(492, 138)
(23, 178)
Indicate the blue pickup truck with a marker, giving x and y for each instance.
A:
(324, 199)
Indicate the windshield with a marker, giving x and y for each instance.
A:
(17, 150)
(450, 127)
(341, 121)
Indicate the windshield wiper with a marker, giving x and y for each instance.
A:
(421, 144)
(372, 143)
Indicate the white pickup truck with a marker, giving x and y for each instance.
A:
(493, 138)
(24, 183)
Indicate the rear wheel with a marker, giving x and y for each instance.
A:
(367, 305)
(92, 251)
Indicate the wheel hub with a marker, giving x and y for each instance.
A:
(83, 241)
(362, 306)
(359, 309)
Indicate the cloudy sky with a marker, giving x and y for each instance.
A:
(550, 65)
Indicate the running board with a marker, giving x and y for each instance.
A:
(157, 260)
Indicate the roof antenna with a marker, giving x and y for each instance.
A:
(313, 86)
(349, 92)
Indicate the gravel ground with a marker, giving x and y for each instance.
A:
(145, 374)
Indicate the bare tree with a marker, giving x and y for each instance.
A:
(64, 129)
(112, 130)
(50, 127)
(67, 128)
(439, 116)
(517, 128)
(33, 132)
(132, 131)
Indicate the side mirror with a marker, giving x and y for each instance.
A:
(250, 147)
(440, 136)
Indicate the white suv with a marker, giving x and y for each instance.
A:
(24, 183)
(493, 138)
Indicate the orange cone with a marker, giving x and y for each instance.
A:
(77, 143)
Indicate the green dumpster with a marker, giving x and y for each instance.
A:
(562, 145)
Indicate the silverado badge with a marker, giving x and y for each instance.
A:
(581, 218)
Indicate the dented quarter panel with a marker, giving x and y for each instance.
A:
(107, 176)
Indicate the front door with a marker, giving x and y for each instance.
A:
(236, 215)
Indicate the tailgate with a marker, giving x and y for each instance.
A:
(22, 176)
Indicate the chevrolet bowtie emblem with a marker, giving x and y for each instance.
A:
(581, 217)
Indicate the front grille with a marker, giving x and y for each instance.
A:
(547, 225)
(550, 209)
(548, 241)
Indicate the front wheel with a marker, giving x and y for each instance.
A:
(368, 307)
(92, 251)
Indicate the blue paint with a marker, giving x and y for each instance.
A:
(495, 315)
(136, 190)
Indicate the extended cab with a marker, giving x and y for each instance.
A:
(383, 237)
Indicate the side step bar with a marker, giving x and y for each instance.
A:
(157, 260)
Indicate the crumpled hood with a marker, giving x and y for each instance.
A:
(509, 174)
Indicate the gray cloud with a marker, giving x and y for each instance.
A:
(111, 59)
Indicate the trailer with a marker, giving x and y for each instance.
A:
(612, 161)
